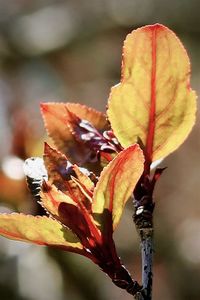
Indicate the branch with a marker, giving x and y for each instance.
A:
(143, 218)
(146, 236)
(147, 260)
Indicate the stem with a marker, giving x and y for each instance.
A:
(122, 279)
(143, 218)
(146, 236)
(147, 261)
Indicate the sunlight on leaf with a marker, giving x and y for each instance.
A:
(154, 102)
(57, 121)
(38, 230)
(116, 183)
(61, 173)
(51, 198)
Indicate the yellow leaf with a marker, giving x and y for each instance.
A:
(51, 198)
(116, 184)
(83, 178)
(66, 211)
(153, 103)
(38, 230)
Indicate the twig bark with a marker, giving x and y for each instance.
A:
(143, 218)
(146, 236)
(147, 261)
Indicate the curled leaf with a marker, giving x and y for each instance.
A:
(154, 102)
(116, 184)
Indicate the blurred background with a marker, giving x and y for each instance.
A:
(71, 51)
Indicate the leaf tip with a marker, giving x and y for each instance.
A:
(44, 107)
(47, 148)
(136, 148)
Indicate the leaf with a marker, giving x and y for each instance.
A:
(86, 198)
(154, 102)
(57, 120)
(83, 178)
(63, 209)
(38, 230)
(75, 201)
(60, 172)
(99, 143)
(116, 184)
(51, 198)
(72, 217)
(58, 167)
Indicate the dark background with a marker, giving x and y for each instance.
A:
(71, 51)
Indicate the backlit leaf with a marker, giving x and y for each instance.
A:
(58, 167)
(153, 103)
(65, 210)
(116, 184)
(38, 230)
(72, 217)
(101, 145)
(60, 172)
(57, 120)
(83, 178)
(51, 198)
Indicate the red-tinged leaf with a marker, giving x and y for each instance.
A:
(51, 197)
(106, 157)
(38, 230)
(72, 217)
(58, 167)
(83, 178)
(154, 102)
(57, 119)
(60, 171)
(87, 195)
(100, 144)
(116, 184)
(65, 210)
